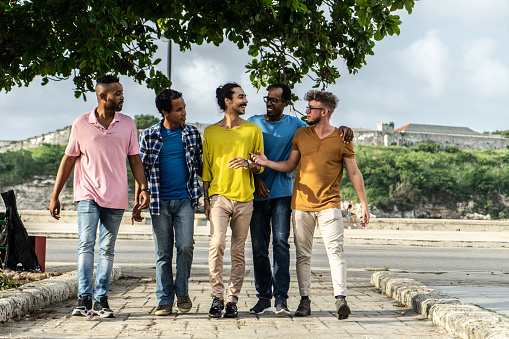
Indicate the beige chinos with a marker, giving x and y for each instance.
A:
(237, 214)
(330, 223)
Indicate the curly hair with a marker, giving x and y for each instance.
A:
(164, 98)
(225, 91)
(327, 99)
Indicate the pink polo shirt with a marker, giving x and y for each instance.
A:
(100, 172)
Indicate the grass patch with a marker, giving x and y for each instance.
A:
(5, 284)
(376, 269)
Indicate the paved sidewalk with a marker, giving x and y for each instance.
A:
(133, 298)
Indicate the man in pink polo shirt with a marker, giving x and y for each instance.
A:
(100, 143)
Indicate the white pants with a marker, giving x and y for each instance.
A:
(330, 223)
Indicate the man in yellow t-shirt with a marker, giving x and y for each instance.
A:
(228, 186)
(320, 153)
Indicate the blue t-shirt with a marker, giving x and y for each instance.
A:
(277, 141)
(173, 171)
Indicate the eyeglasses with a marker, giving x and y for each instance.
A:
(272, 100)
(312, 108)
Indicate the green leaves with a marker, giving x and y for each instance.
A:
(290, 39)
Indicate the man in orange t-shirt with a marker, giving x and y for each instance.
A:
(320, 153)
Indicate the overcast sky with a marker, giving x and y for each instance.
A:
(449, 66)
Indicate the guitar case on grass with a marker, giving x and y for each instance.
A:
(20, 253)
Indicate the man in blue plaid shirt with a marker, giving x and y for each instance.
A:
(171, 152)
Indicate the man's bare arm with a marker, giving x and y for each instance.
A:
(357, 181)
(206, 199)
(63, 173)
(288, 165)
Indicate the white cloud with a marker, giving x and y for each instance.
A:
(484, 72)
(427, 60)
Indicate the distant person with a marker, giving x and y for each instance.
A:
(350, 215)
(272, 203)
(99, 144)
(171, 152)
(228, 186)
(320, 153)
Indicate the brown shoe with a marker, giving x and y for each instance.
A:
(163, 310)
(304, 308)
(184, 303)
(342, 308)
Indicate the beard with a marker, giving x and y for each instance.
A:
(117, 107)
(314, 122)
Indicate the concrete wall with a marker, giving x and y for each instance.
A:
(58, 137)
(43, 217)
(383, 136)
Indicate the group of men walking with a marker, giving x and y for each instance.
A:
(246, 171)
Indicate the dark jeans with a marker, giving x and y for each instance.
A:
(175, 225)
(279, 212)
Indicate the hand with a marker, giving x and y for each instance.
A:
(145, 199)
(365, 216)
(261, 189)
(54, 208)
(237, 162)
(206, 210)
(136, 215)
(259, 158)
(346, 133)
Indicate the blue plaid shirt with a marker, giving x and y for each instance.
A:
(151, 143)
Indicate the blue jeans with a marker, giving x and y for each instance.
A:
(175, 221)
(278, 210)
(91, 215)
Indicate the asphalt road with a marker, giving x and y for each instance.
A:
(409, 258)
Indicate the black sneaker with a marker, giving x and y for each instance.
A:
(231, 310)
(184, 303)
(84, 307)
(102, 309)
(342, 308)
(304, 308)
(217, 307)
(263, 305)
(280, 306)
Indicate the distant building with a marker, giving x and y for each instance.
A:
(451, 130)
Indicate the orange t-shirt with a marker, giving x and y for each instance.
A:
(320, 169)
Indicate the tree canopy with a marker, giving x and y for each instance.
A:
(288, 39)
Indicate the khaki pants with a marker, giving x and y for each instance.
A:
(330, 223)
(238, 215)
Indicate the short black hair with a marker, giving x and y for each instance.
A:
(164, 98)
(107, 79)
(225, 91)
(287, 92)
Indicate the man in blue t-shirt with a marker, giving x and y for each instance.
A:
(171, 152)
(272, 200)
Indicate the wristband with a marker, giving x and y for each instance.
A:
(145, 190)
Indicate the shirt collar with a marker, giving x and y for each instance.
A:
(93, 119)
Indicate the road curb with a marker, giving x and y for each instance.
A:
(465, 321)
(39, 294)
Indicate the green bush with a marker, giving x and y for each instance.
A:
(405, 177)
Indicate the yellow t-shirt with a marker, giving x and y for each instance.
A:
(320, 170)
(219, 146)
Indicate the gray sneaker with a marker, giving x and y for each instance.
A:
(102, 309)
(84, 307)
(184, 303)
(342, 308)
(304, 308)
(280, 306)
